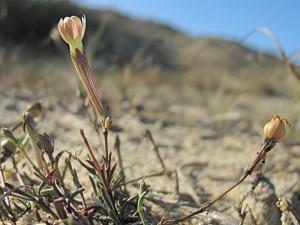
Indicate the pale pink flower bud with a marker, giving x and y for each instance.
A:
(72, 30)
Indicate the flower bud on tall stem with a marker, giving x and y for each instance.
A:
(72, 30)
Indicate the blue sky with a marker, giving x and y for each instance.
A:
(230, 19)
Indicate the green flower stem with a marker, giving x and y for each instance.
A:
(140, 207)
(36, 151)
(142, 193)
(21, 148)
(30, 130)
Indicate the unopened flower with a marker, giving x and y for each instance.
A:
(72, 30)
(275, 128)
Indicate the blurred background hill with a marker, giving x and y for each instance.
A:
(114, 41)
(118, 40)
(131, 50)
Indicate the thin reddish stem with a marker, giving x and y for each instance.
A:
(267, 146)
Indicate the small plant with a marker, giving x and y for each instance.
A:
(142, 193)
(42, 189)
(48, 191)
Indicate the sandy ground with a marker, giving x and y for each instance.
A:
(208, 137)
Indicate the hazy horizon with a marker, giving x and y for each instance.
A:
(217, 19)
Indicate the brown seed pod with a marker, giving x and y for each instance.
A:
(275, 128)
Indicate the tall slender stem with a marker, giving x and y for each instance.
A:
(119, 156)
(21, 148)
(96, 163)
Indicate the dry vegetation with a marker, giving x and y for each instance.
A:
(187, 116)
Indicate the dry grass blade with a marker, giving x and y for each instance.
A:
(287, 61)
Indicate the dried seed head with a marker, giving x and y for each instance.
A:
(72, 30)
(9, 135)
(7, 149)
(275, 128)
(29, 124)
(36, 109)
(44, 142)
